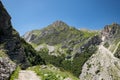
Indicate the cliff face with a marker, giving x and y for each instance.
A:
(13, 49)
(6, 65)
(9, 38)
(5, 24)
(111, 32)
(111, 37)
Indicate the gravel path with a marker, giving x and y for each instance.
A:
(28, 75)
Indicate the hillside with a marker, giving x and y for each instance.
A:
(61, 36)
(104, 64)
(14, 50)
(86, 54)
(64, 46)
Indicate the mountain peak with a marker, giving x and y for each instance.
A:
(59, 23)
(110, 31)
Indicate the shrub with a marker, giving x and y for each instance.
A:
(106, 44)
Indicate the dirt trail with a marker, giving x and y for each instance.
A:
(101, 65)
(28, 75)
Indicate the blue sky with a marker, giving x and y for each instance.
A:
(36, 14)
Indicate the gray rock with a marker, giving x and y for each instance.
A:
(6, 68)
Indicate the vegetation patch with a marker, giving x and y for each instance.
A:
(74, 66)
(2, 53)
(117, 53)
(15, 74)
(106, 45)
(33, 57)
(49, 72)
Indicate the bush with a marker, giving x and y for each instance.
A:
(33, 57)
(74, 66)
(106, 44)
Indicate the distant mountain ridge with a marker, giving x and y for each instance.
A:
(61, 39)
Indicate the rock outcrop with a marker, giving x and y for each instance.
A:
(10, 39)
(101, 66)
(17, 51)
(95, 40)
(29, 36)
(5, 24)
(111, 38)
(6, 68)
(111, 32)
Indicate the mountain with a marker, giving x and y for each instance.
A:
(64, 44)
(89, 55)
(14, 50)
(61, 35)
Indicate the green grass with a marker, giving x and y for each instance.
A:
(49, 72)
(34, 45)
(15, 74)
(117, 53)
(2, 53)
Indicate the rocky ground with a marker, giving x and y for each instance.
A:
(101, 66)
(6, 68)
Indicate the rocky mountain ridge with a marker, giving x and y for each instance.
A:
(104, 64)
(65, 43)
(107, 39)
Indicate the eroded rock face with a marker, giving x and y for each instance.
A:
(6, 68)
(111, 31)
(5, 24)
(11, 43)
(6, 65)
(101, 66)
(10, 39)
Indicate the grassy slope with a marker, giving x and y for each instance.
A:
(49, 72)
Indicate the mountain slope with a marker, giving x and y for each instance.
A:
(50, 72)
(104, 64)
(64, 46)
(61, 35)
(101, 66)
(84, 54)
(14, 50)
